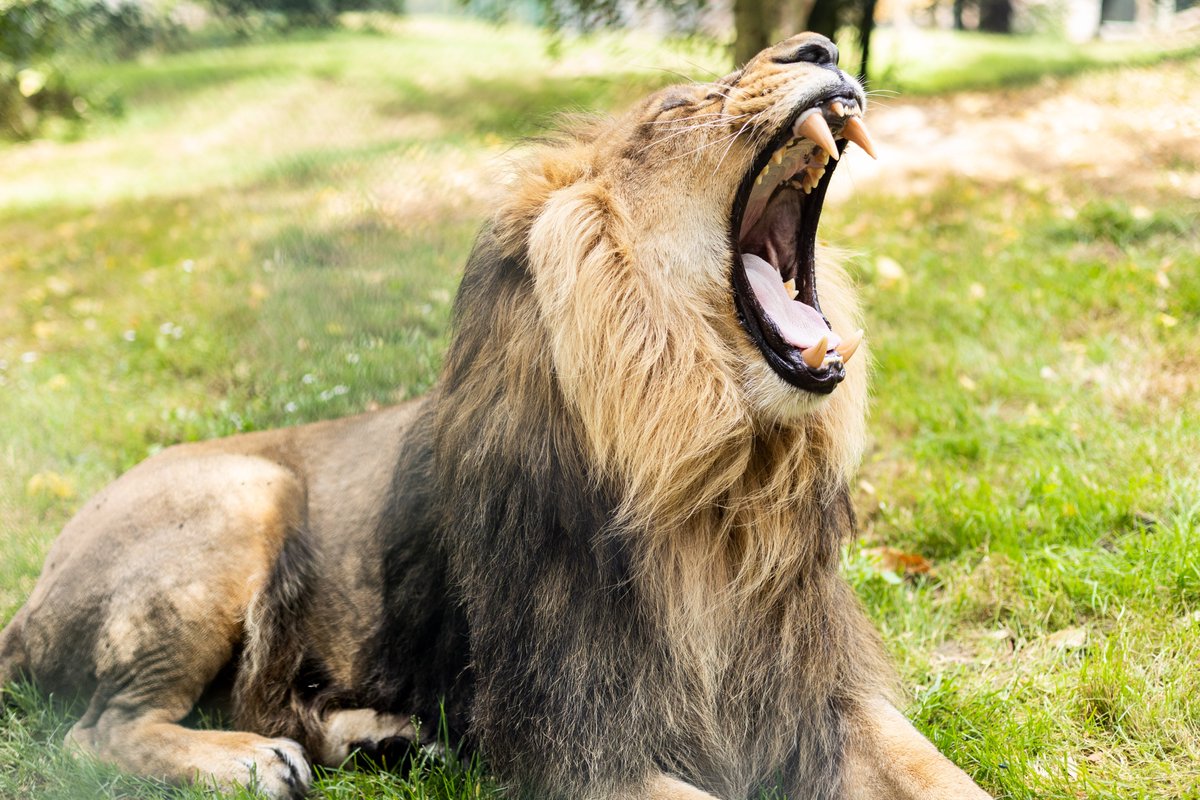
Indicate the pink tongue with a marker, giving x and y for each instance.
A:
(800, 324)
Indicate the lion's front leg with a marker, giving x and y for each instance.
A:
(888, 759)
(664, 787)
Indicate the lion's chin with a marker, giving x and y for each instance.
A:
(775, 216)
(776, 402)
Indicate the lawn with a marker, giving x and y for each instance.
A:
(273, 234)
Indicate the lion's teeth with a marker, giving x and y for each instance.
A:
(817, 173)
(856, 132)
(849, 345)
(816, 129)
(777, 159)
(758, 180)
(790, 285)
(821, 157)
(838, 108)
(815, 355)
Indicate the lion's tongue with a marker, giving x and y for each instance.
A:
(800, 324)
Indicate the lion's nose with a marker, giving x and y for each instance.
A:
(808, 49)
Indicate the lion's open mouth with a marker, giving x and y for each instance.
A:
(774, 227)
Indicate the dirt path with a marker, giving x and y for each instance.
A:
(1115, 129)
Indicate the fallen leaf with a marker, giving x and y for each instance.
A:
(1068, 638)
(891, 559)
(952, 652)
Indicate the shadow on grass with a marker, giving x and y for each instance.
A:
(512, 107)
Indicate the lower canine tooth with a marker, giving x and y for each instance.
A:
(849, 345)
(790, 285)
(815, 355)
(838, 108)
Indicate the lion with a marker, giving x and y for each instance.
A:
(603, 550)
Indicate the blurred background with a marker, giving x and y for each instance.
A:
(228, 215)
(50, 49)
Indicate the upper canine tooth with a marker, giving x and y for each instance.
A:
(849, 345)
(815, 355)
(838, 108)
(855, 131)
(815, 128)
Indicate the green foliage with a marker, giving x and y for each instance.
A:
(41, 43)
(587, 15)
(297, 13)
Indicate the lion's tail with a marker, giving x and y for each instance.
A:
(14, 661)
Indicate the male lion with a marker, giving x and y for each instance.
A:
(608, 540)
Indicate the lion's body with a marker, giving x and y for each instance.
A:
(606, 544)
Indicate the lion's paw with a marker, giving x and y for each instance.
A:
(274, 768)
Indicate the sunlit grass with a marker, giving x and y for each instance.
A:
(919, 61)
(273, 235)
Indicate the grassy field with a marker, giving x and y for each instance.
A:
(934, 61)
(273, 234)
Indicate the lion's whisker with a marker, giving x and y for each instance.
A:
(691, 128)
(694, 116)
(668, 71)
(702, 69)
(729, 146)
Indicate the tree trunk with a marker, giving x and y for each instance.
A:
(995, 16)
(823, 18)
(958, 15)
(752, 22)
(866, 26)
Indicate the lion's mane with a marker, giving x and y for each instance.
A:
(624, 526)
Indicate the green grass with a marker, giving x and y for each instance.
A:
(916, 61)
(273, 234)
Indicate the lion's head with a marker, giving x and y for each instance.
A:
(669, 274)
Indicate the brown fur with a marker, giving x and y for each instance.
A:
(608, 539)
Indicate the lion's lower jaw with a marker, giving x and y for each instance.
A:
(777, 401)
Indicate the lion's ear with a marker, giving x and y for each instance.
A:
(677, 97)
(550, 170)
(570, 241)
